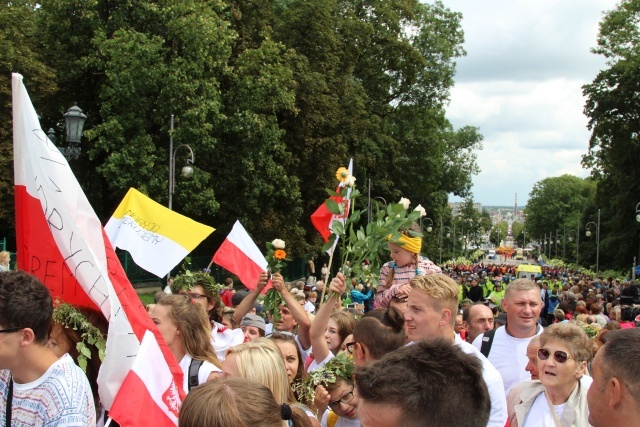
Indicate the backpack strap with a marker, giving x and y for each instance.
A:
(194, 368)
(332, 419)
(487, 341)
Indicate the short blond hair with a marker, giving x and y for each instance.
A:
(520, 285)
(443, 289)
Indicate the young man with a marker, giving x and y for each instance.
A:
(424, 369)
(431, 310)
(508, 349)
(614, 395)
(36, 387)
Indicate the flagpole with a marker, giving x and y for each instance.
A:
(324, 289)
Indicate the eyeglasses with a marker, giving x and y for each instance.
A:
(560, 356)
(195, 296)
(349, 346)
(348, 397)
(10, 330)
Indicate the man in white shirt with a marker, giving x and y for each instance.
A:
(36, 388)
(507, 345)
(431, 309)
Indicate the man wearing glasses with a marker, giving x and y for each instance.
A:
(36, 388)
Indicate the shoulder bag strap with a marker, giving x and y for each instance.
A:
(553, 410)
(9, 400)
(487, 341)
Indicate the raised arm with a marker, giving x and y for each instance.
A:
(297, 311)
(321, 321)
(246, 304)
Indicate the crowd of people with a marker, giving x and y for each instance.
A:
(430, 346)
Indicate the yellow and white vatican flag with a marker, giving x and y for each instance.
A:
(156, 237)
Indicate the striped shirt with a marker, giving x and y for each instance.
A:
(401, 276)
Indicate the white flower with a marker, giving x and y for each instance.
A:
(405, 203)
(350, 181)
(423, 211)
(278, 244)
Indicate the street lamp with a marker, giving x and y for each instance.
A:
(429, 227)
(187, 169)
(638, 212)
(74, 120)
(441, 237)
(588, 234)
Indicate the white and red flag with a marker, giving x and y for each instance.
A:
(240, 255)
(62, 242)
(322, 219)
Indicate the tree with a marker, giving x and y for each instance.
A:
(613, 108)
(19, 53)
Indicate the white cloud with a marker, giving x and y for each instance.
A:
(521, 84)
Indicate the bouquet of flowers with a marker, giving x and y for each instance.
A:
(361, 246)
(276, 257)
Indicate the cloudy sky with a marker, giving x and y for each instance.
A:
(520, 83)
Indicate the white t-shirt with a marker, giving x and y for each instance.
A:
(498, 415)
(60, 397)
(315, 365)
(509, 356)
(223, 338)
(203, 373)
(309, 307)
(342, 422)
(539, 415)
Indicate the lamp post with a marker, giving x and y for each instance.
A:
(74, 120)
(588, 233)
(557, 243)
(429, 227)
(187, 169)
(441, 237)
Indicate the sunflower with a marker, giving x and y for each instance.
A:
(342, 174)
(279, 254)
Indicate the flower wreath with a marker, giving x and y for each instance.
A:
(341, 366)
(70, 317)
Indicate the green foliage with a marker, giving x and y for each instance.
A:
(271, 96)
(272, 303)
(613, 108)
(69, 317)
(341, 366)
(186, 280)
(357, 243)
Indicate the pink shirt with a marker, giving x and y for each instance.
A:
(401, 276)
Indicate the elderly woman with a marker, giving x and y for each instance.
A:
(5, 258)
(560, 397)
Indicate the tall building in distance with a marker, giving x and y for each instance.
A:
(456, 206)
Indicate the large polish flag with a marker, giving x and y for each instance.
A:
(61, 241)
(240, 255)
(156, 237)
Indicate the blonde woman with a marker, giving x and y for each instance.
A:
(261, 360)
(5, 258)
(185, 328)
(237, 402)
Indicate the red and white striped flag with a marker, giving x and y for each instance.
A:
(240, 255)
(62, 242)
(322, 219)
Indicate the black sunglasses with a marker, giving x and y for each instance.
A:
(560, 356)
(349, 346)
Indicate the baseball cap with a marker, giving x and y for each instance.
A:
(253, 320)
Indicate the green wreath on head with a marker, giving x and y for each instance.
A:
(70, 317)
(187, 280)
(341, 366)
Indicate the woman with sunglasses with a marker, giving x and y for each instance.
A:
(559, 398)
